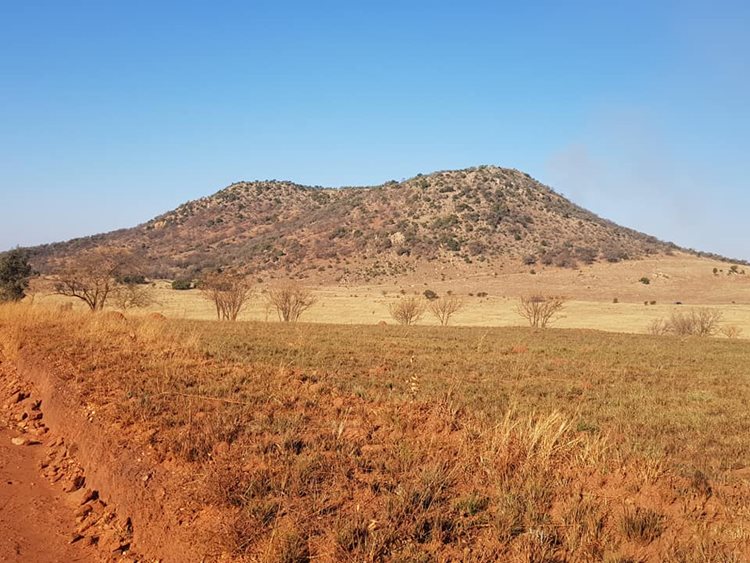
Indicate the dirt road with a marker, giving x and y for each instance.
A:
(36, 521)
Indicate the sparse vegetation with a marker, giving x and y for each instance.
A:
(470, 215)
(731, 331)
(695, 322)
(445, 307)
(290, 300)
(228, 291)
(408, 310)
(308, 442)
(540, 310)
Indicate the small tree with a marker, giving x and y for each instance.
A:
(91, 276)
(539, 310)
(228, 292)
(445, 307)
(15, 272)
(290, 300)
(133, 296)
(408, 311)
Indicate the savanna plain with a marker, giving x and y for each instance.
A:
(347, 440)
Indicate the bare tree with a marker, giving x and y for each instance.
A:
(539, 310)
(228, 291)
(290, 300)
(445, 307)
(408, 311)
(91, 276)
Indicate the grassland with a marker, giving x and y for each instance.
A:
(591, 292)
(332, 442)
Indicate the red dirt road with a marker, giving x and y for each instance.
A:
(36, 521)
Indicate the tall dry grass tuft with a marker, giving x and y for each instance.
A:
(538, 444)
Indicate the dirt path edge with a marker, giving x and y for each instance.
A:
(136, 488)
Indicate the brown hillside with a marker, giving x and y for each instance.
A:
(474, 218)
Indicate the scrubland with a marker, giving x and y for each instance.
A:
(294, 442)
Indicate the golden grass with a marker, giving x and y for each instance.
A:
(370, 443)
(366, 306)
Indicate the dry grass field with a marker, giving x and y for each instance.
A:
(591, 292)
(297, 442)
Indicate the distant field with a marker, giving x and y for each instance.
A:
(394, 443)
(591, 292)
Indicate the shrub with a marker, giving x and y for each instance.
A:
(614, 254)
(731, 331)
(658, 327)
(445, 307)
(132, 279)
(539, 310)
(182, 285)
(228, 291)
(695, 322)
(644, 280)
(430, 295)
(565, 259)
(290, 301)
(408, 311)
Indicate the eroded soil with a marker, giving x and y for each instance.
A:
(37, 521)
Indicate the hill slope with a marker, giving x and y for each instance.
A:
(470, 219)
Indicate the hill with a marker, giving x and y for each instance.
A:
(472, 220)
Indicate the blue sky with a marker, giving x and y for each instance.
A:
(112, 112)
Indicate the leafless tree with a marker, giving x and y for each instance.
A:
(91, 277)
(445, 307)
(695, 322)
(228, 291)
(290, 300)
(539, 310)
(408, 311)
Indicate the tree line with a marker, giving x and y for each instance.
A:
(108, 275)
